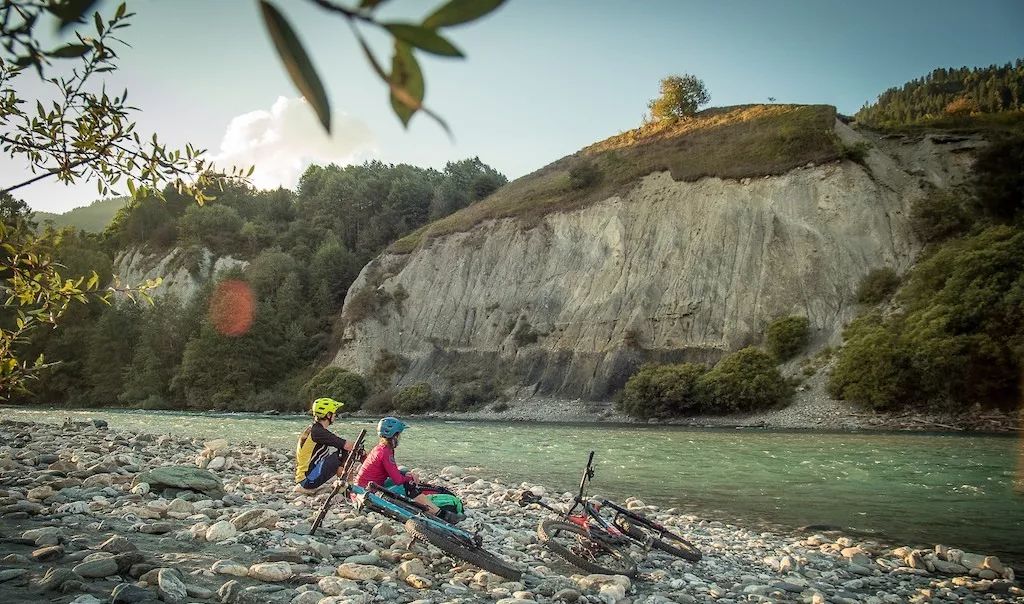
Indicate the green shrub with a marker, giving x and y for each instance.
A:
(416, 399)
(746, 380)
(380, 403)
(470, 395)
(339, 384)
(584, 174)
(662, 391)
(873, 368)
(877, 286)
(959, 338)
(939, 216)
(787, 336)
(999, 178)
(857, 152)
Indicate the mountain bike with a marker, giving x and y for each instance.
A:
(598, 545)
(445, 536)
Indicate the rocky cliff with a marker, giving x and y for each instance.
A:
(571, 303)
(183, 270)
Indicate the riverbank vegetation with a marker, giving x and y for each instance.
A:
(953, 334)
(301, 249)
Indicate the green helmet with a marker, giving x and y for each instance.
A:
(322, 407)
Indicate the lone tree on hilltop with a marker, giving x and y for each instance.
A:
(681, 96)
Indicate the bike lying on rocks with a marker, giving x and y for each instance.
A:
(591, 542)
(445, 536)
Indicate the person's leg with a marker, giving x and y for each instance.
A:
(322, 472)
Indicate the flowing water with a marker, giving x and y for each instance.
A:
(914, 489)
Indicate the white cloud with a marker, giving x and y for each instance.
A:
(282, 142)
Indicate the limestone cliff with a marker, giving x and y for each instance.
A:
(571, 303)
(183, 270)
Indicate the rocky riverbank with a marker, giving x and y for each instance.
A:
(90, 515)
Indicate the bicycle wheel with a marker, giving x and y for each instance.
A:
(580, 549)
(664, 540)
(476, 556)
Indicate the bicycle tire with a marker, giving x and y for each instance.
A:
(477, 556)
(666, 541)
(548, 530)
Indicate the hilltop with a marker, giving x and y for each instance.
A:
(92, 218)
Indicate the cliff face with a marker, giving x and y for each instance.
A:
(183, 271)
(571, 305)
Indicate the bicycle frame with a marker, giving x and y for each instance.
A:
(589, 518)
(396, 506)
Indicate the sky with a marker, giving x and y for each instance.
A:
(541, 78)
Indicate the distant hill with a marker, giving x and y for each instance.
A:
(92, 218)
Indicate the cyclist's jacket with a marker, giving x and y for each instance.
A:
(316, 443)
(380, 465)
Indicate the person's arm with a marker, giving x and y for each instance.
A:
(391, 468)
(323, 436)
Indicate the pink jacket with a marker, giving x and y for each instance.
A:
(380, 465)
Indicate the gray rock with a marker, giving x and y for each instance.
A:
(56, 578)
(128, 593)
(117, 544)
(97, 568)
(182, 477)
(11, 573)
(170, 586)
(566, 595)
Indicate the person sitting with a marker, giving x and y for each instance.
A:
(380, 468)
(318, 455)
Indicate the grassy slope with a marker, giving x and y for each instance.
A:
(729, 142)
(92, 218)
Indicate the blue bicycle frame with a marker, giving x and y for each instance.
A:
(378, 499)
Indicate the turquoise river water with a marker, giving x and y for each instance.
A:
(913, 489)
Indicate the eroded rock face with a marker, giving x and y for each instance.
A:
(182, 271)
(668, 271)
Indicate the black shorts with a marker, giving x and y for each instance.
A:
(322, 471)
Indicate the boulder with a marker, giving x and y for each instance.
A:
(254, 519)
(271, 571)
(220, 531)
(229, 567)
(182, 477)
(359, 572)
(170, 586)
(117, 544)
(97, 568)
(129, 593)
(336, 586)
(41, 493)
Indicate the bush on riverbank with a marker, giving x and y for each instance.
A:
(877, 286)
(340, 384)
(746, 380)
(787, 336)
(416, 399)
(663, 391)
(958, 338)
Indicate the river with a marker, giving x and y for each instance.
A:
(965, 491)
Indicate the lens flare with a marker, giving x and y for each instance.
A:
(231, 308)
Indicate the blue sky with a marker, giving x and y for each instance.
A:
(542, 78)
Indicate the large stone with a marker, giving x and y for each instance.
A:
(50, 552)
(271, 571)
(360, 572)
(230, 567)
(336, 586)
(129, 593)
(97, 567)
(254, 519)
(117, 544)
(307, 597)
(56, 578)
(170, 586)
(411, 567)
(183, 477)
(220, 531)
(41, 493)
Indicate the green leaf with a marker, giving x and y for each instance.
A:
(70, 51)
(297, 62)
(423, 38)
(120, 11)
(370, 4)
(407, 86)
(99, 23)
(460, 11)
